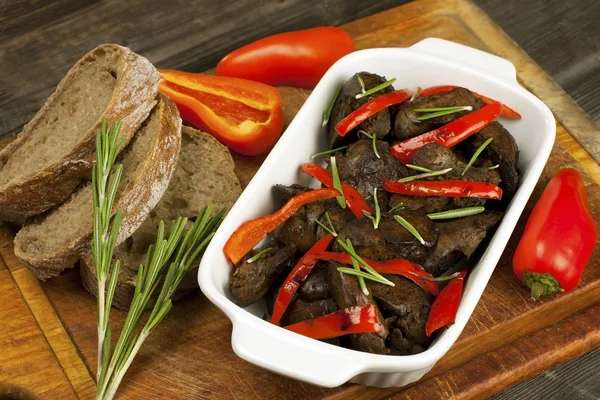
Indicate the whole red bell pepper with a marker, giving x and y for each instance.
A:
(444, 308)
(298, 58)
(506, 110)
(452, 188)
(298, 275)
(396, 266)
(358, 319)
(370, 108)
(355, 202)
(559, 237)
(448, 135)
(244, 115)
(250, 233)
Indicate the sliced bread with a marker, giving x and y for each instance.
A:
(56, 149)
(204, 176)
(49, 244)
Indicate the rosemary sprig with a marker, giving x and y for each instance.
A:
(328, 152)
(442, 278)
(425, 175)
(364, 275)
(361, 280)
(329, 229)
(327, 113)
(377, 218)
(493, 167)
(373, 137)
(417, 168)
(348, 248)
(361, 83)
(476, 154)
(407, 225)
(435, 112)
(337, 184)
(457, 213)
(375, 89)
(396, 208)
(414, 96)
(259, 255)
(106, 229)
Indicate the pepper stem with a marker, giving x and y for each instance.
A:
(541, 284)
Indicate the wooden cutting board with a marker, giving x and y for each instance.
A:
(48, 334)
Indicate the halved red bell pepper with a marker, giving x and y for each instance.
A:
(397, 266)
(448, 135)
(452, 188)
(370, 108)
(358, 319)
(244, 115)
(298, 58)
(559, 237)
(250, 233)
(298, 275)
(444, 308)
(506, 110)
(356, 203)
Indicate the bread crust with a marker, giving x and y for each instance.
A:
(132, 100)
(144, 192)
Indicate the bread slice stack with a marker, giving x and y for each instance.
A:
(45, 173)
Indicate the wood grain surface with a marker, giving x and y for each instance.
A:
(508, 339)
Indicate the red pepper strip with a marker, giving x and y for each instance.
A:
(296, 277)
(506, 110)
(356, 203)
(357, 319)
(448, 135)
(454, 188)
(444, 308)
(250, 233)
(559, 237)
(397, 266)
(372, 107)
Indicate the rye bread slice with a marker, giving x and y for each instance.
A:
(56, 149)
(49, 244)
(204, 176)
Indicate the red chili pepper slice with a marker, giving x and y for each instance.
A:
(298, 275)
(372, 107)
(356, 203)
(506, 110)
(452, 188)
(559, 237)
(250, 233)
(397, 266)
(448, 135)
(444, 308)
(358, 319)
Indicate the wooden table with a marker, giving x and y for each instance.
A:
(535, 27)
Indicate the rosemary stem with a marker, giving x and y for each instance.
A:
(101, 328)
(112, 389)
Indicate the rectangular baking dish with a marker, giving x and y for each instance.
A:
(427, 63)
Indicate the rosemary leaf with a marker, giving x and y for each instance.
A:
(350, 250)
(259, 255)
(373, 137)
(337, 184)
(476, 154)
(396, 208)
(361, 280)
(327, 113)
(493, 167)
(361, 83)
(440, 111)
(425, 175)
(364, 275)
(457, 213)
(417, 168)
(442, 278)
(328, 152)
(375, 89)
(406, 225)
(329, 229)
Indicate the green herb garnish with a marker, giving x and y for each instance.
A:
(373, 137)
(348, 248)
(375, 89)
(328, 152)
(259, 255)
(406, 225)
(417, 168)
(356, 268)
(493, 167)
(377, 217)
(364, 275)
(457, 213)
(361, 83)
(476, 154)
(328, 229)
(414, 97)
(327, 113)
(442, 278)
(435, 112)
(425, 175)
(397, 207)
(337, 184)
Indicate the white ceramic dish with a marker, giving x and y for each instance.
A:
(427, 63)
